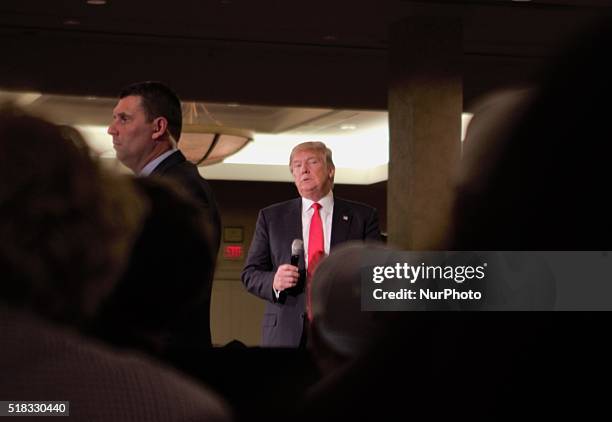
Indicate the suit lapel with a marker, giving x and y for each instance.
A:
(293, 219)
(341, 222)
(294, 224)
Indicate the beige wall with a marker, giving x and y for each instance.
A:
(235, 313)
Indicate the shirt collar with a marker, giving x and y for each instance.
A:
(327, 202)
(151, 165)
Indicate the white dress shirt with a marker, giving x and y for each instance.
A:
(326, 212)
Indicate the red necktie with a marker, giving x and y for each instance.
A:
(316, 251)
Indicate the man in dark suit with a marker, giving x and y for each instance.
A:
(322, 222)
(146, 129)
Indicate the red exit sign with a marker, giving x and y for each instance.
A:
(232, 252)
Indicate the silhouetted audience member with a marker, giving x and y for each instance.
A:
(515, 280)
(340, 331)
(541, 184)
(57, 206)
(66, 228)
(537, 183)
(162, 302)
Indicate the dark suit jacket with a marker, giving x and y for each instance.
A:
(276, 228)
(163, 307)
(186, 174)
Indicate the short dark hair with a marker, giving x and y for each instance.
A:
(158, 100)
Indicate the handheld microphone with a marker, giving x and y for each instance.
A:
(297, 248)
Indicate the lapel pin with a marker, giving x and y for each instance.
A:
(345, 217)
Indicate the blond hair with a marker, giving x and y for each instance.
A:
(317, 146)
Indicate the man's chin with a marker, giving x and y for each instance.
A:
(306, 190)
(120, 157)
(308, 186)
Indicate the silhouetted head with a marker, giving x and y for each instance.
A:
(340, 330)
(66, 226)
(541, 182)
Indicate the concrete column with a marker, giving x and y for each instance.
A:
(425, 105)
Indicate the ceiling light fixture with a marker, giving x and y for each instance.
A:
(203, 143)
(96, 2)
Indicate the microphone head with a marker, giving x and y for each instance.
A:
(297, 246)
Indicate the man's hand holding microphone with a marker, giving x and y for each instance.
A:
(287, 275)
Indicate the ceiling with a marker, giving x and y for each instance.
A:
(279, 68)
(319, 53)
(359, 138)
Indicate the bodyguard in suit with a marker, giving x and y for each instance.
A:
(146, 128)
(322, 222)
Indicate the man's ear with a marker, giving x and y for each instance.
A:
(332, 172)
(160, 125)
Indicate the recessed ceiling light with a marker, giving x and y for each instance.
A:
(96, 2)
(233, 105)
(348, 127)
(71, 22)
